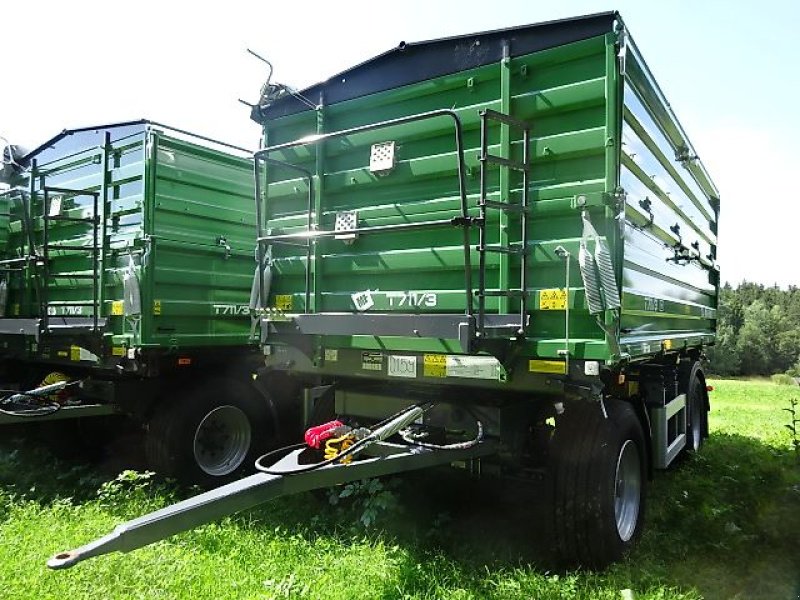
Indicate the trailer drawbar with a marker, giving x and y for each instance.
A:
(351, 454)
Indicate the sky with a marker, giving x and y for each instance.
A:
(730, 69)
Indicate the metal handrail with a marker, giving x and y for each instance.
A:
(465, 221)
(46, 246)
(358, 230)
(260, 239)
(29, 257)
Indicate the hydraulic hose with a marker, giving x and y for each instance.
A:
(381, 431)
(31, 401)
(35, 410)
(409, 438)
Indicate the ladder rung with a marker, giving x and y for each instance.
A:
(505, 162)
(505, 327)
(506, 206)
(69, 191)
(79, 303)
(14, 261)
(502, 293)
(504, 118)
(71, 219)
(71, 276)
(504, 249)
(91, 249)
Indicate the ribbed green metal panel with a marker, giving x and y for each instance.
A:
(561, 92)
(7, 201)
(592, 136)
(667, 301)
(202, 251)
(180, 213)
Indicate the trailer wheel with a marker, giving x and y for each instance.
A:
(697, 417)
(210, 434)
(598, 476)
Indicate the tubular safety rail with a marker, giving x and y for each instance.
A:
(93, 251)
(19, 263)
(310, 236)
(37, 258)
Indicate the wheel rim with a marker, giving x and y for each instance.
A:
(627, 490)
(222, 440)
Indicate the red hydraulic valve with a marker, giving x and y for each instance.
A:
(316, 435)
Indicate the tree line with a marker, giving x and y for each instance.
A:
(758, 331)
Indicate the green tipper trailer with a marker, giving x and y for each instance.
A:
(127, 264)
(501, 248)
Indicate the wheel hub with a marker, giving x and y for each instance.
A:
(627, 490)
(222, 440)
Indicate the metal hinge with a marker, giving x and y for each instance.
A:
(466, 221)
(683, 156)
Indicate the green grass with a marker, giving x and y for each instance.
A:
(725, 524)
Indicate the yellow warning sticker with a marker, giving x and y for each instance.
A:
(558, 367)
(74, 352)
(434, 365)
(283, 302)
(553, 299)
(118, 351)
(156, 307)
(667, 344)
(117, 308)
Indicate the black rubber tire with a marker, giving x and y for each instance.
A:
(696, 413)
(585, 451)
(283, 394)
(85, 439)
(170, 436)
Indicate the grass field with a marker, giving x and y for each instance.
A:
(725, 524)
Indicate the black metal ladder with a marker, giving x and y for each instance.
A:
(522, 208)
(94, 251)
